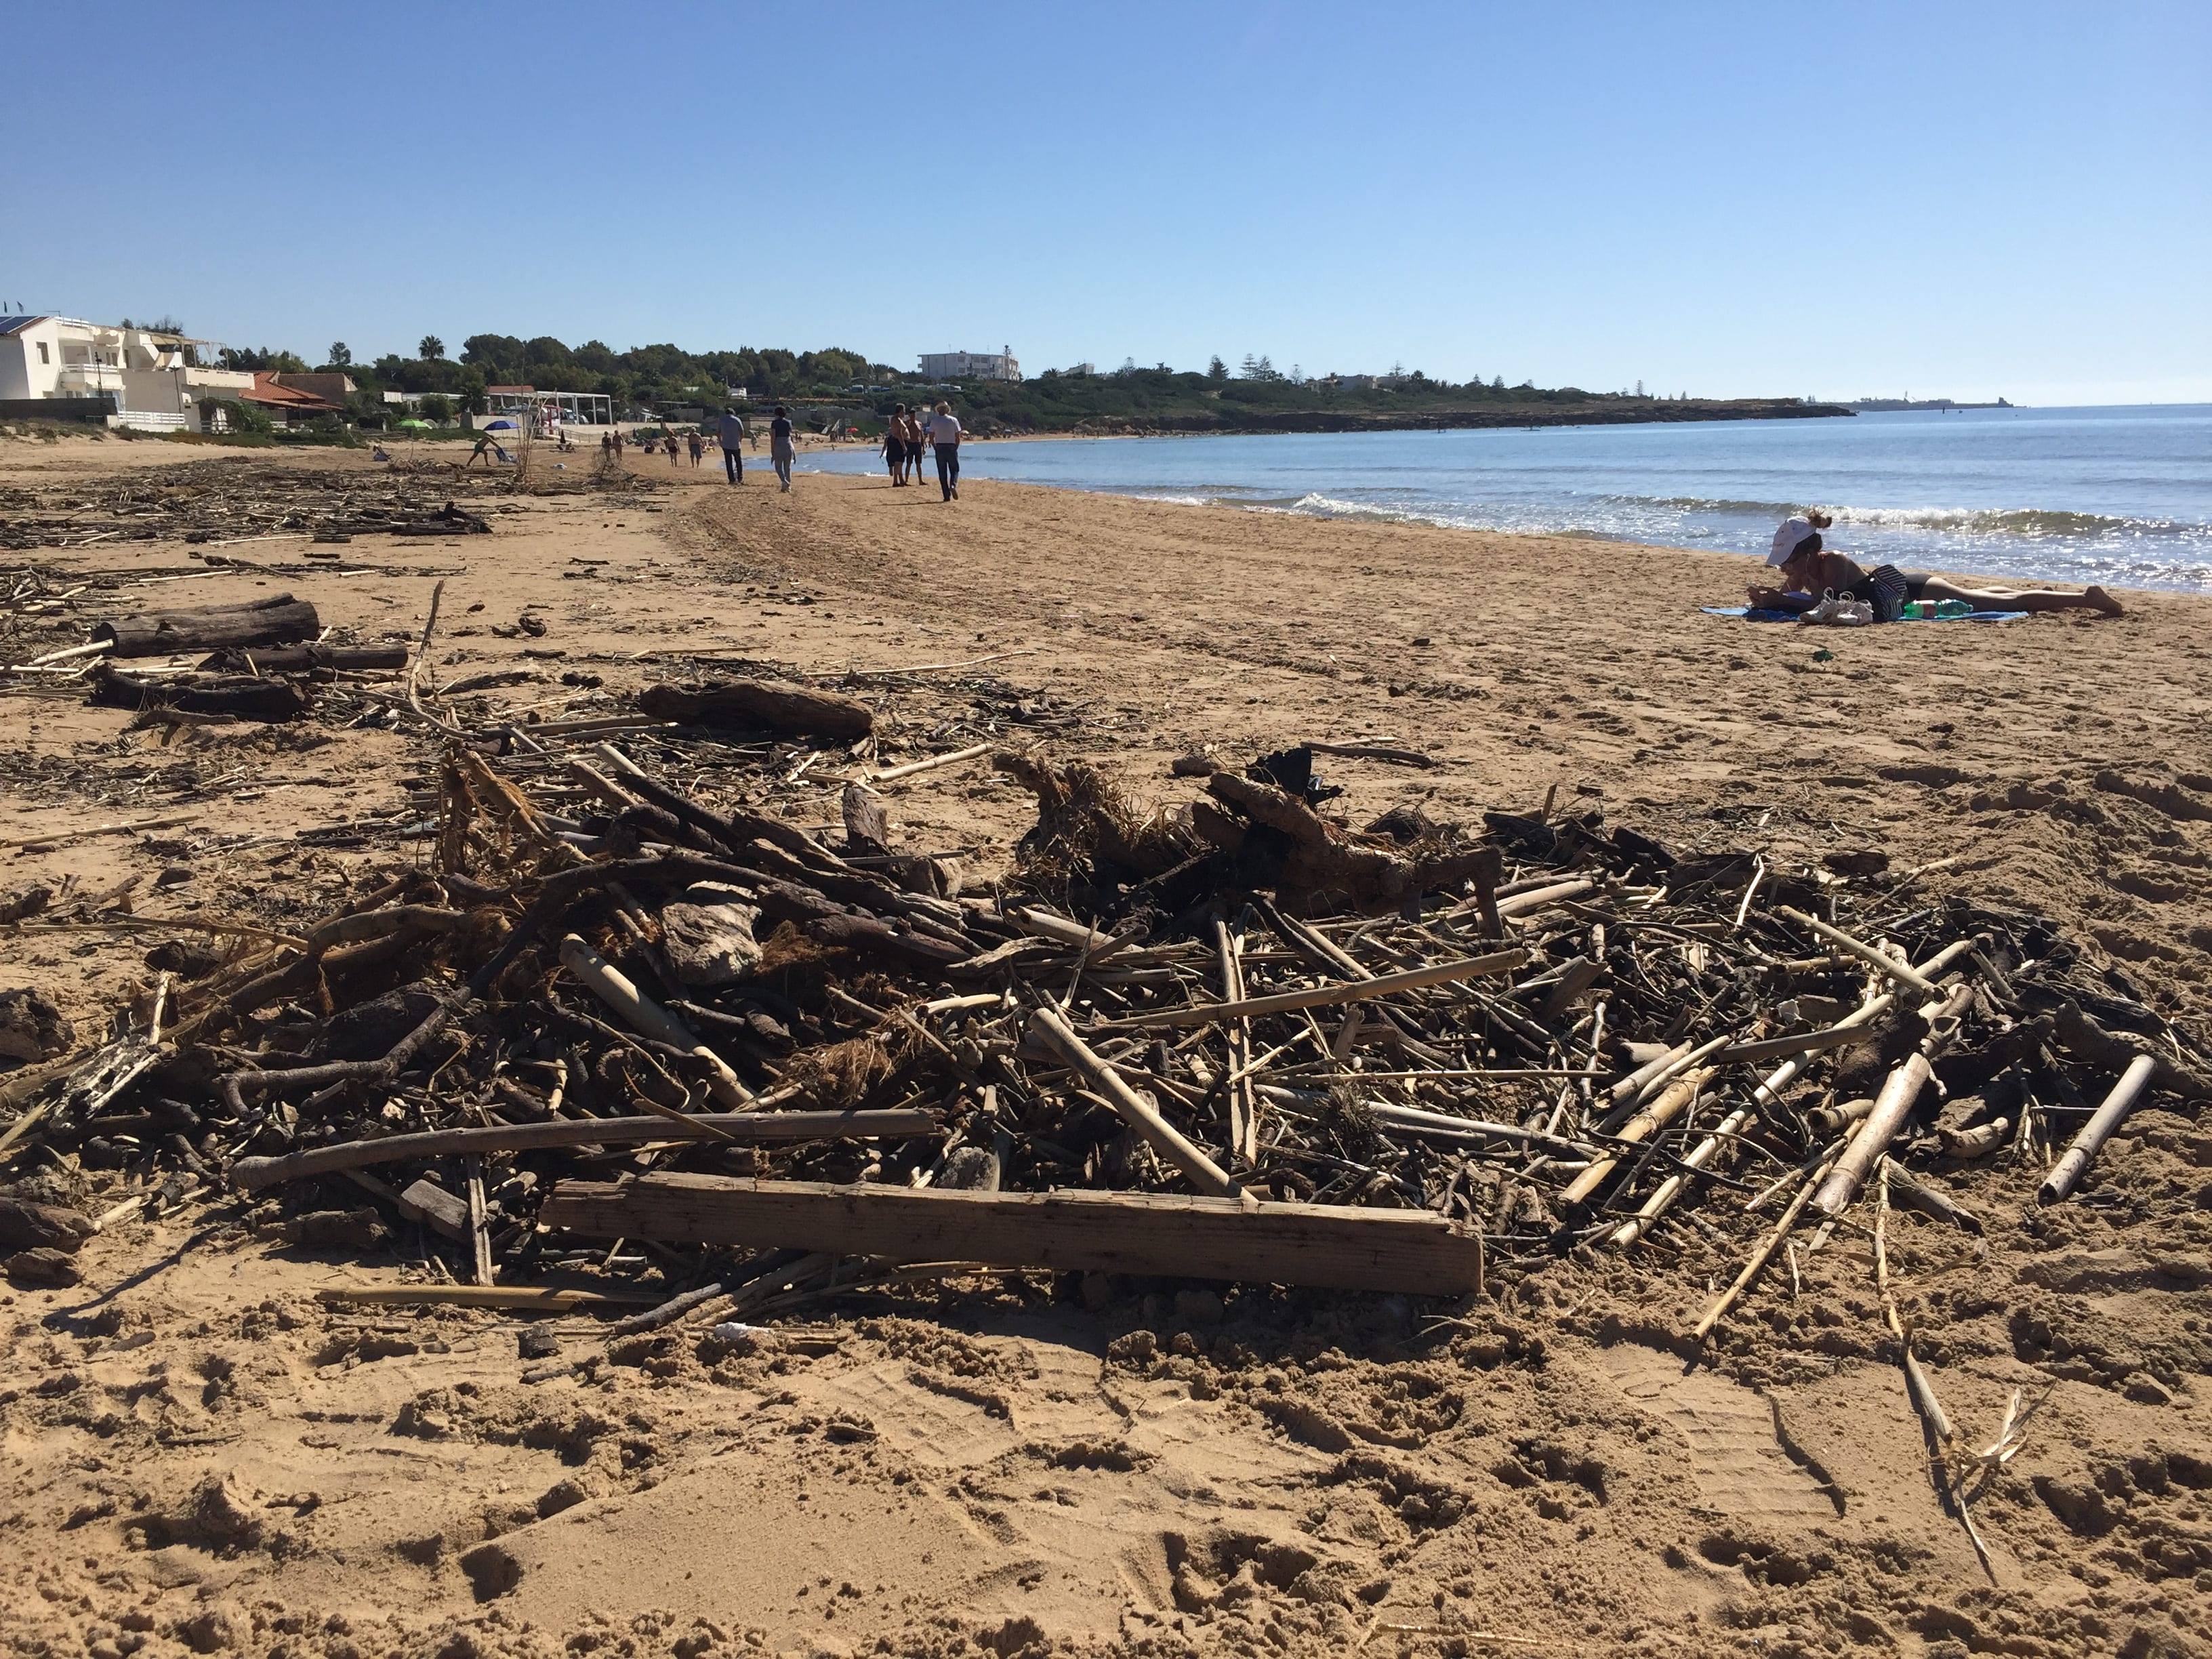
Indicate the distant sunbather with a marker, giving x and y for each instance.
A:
(1808, 574)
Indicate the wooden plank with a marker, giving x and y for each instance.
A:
(427, 1202)
(1243, 1240)
(527, 1299)
(251, 1174)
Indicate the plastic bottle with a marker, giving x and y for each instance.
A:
(1949, 608)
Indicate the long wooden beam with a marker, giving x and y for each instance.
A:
(745, 1128)
(1145, 1233)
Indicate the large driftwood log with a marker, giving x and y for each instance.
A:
(1405, 1250)
(300, 659)
(24, 1225)
(278, 620)
(796, 711)
(240, 695)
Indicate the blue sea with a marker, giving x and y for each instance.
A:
(2120, 495)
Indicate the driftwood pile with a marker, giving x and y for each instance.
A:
(234, 498)
(675, 1046)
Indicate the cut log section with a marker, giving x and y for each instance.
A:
(796, 711)
(278, 620)
(1411, 1251)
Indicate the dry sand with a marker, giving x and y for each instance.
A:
(198, 1456)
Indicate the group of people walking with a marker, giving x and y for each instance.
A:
(904, 435)
(730, 433)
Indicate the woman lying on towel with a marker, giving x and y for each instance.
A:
(1809, 572)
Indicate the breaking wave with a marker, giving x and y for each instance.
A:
(2027, 523)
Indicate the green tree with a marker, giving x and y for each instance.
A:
(436, 407)
(471, 386)
(1216, 370)
(431, 349)
(262, 360)
(340, 357)
(495, 354)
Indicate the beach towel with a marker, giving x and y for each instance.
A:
(1749, 614)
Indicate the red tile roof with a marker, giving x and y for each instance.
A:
(267, 391)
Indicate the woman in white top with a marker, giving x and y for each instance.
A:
(1791, 537)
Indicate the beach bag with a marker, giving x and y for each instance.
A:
(1834, 612)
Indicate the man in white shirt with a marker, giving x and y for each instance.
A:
(945, 437)
(731, 433)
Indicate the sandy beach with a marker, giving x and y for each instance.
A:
(1777, 1504)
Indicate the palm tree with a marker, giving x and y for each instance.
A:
(432, 348)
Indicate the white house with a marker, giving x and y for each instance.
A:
(970, 365)
(143, 372)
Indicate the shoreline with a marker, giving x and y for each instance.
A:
(1155, 496)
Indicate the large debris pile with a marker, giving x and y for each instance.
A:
(1236, 1040)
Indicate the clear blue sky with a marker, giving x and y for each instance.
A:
(1953, 199)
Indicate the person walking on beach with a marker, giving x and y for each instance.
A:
(894, 444)
(912, 431)
(944, 436)
(780, 452)
(698, 446)
(675, 451)
(731, 434)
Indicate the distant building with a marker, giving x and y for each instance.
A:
(142, 375)
(970, 365)
(332, 388)
(581, 408)
(283, 400)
